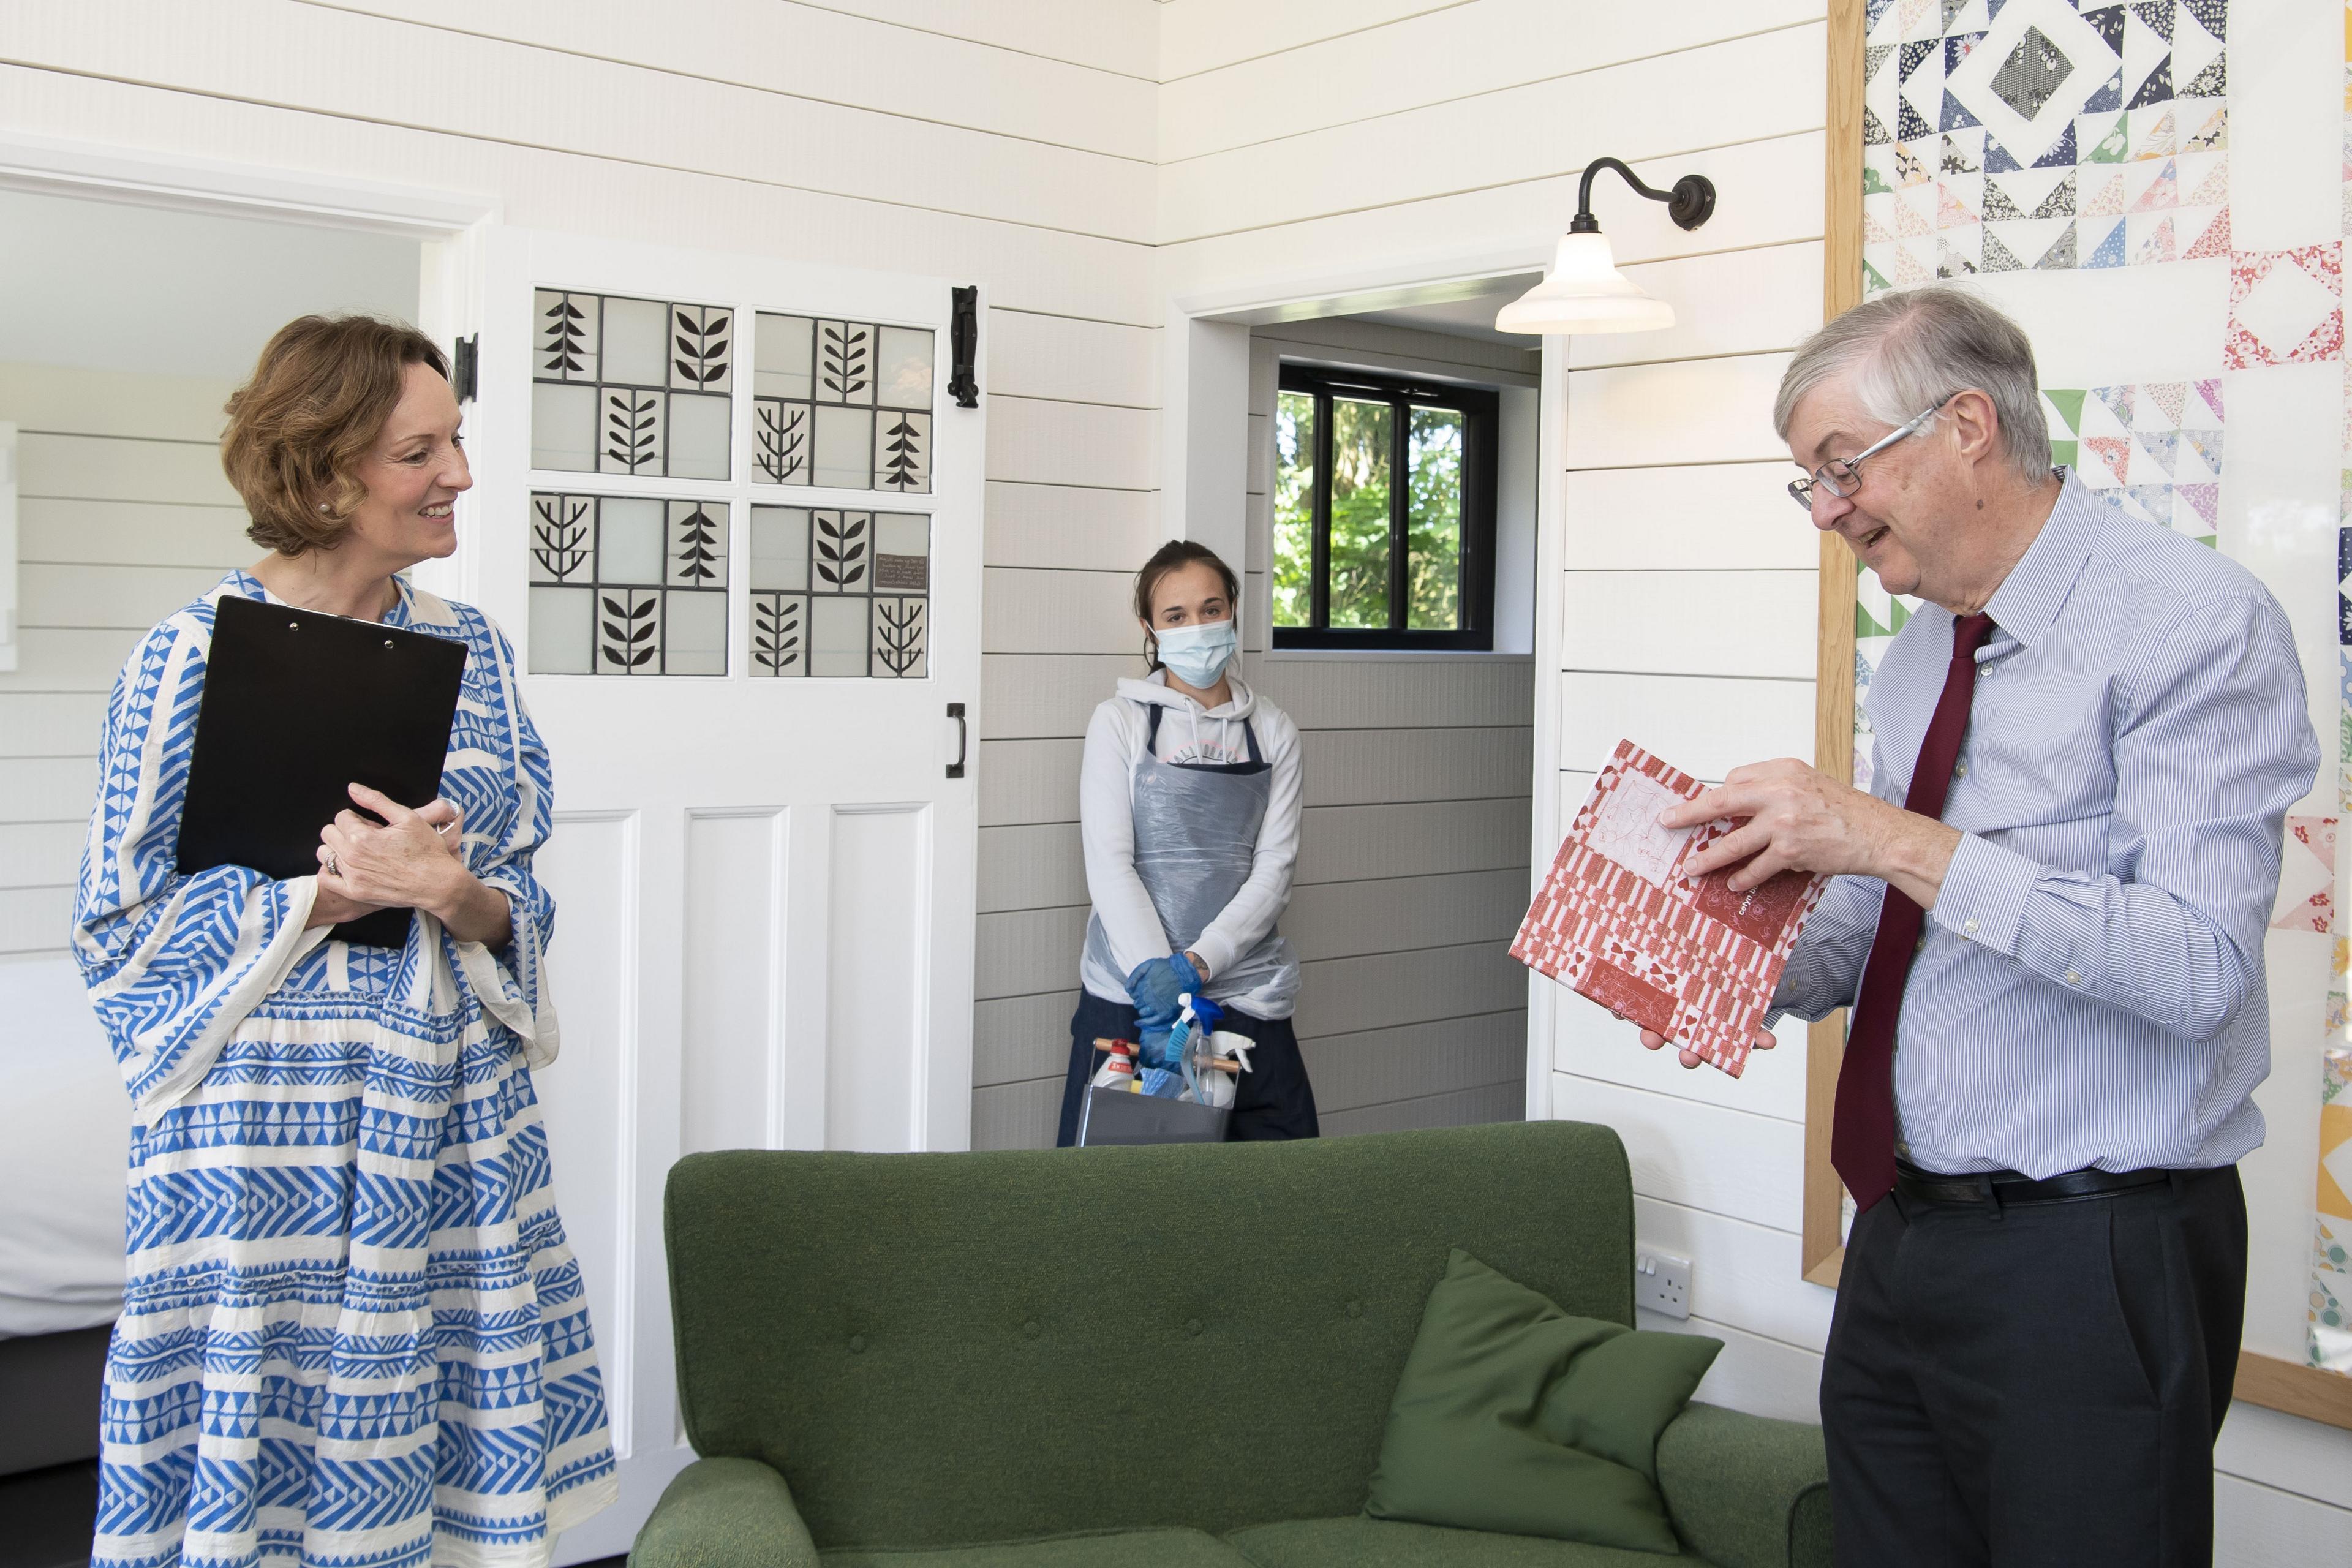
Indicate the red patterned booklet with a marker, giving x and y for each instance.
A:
(1616, 922)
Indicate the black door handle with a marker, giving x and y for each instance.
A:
(963, 740)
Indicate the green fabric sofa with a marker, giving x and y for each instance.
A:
(1173, 1357)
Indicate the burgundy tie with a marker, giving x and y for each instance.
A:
(1862, 1138)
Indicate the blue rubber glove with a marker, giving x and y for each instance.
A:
(1152, 1047)
(1156, 987)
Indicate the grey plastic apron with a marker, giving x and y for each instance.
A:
(1196, 827)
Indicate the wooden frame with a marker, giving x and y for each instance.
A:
(2268, 1381)
(1823, 1249)
(2298, 1390)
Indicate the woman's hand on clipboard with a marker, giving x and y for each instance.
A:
(410, 859)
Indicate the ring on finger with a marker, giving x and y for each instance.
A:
(332, 868)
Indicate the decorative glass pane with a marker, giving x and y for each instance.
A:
(564, 427)
(695, 628)
(902, 451)
(785, 357)
(845, 405)
(561, 629)
(632, 428)
(697, 545)
(562, 538)
(781, 431)
(629, 540)
(565, 348)
(843, 551)
(780, 547)
(698, 431)
(1434, 522)
(845, 447)
(901, 632)
(629, 585)
(1294, 509)
(625, 385)
(780, 632)
(844, 362)
(1360, 447)
(903, 376)
(902, 553)
(700, 341)
(837, 629)
(628, 631)
(635, 341)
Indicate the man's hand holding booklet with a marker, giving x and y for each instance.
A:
(1688, 959)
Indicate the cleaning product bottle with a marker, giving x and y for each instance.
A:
(1118, 1070)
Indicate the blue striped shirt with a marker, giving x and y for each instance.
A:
(2089, 989)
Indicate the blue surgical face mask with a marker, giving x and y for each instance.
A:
(1197, 655)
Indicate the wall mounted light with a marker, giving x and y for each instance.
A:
(1584, 292)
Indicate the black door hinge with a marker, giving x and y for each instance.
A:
(963, 344)
(464, 367)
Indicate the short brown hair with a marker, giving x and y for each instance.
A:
(317, 402)
(1178, 552)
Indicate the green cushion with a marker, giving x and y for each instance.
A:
(928, 1348)
(1380, 1543)
(1094, 1549)
(1514, 1416)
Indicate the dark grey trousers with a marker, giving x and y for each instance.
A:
(2038, 1386)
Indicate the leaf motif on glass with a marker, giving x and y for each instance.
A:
(563, 341)
(699, 561)
(902, 466)
(700, 341)
(898, 633)
(845, 350)
(559, 534)
(840, 549)
(629, 428)
(776, 631)
(628, 627)
(783, 431)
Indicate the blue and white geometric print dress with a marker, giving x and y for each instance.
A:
(353, 1332)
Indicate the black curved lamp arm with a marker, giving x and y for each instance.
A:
(1690, 204)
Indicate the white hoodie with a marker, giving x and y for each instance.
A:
(1188, 733)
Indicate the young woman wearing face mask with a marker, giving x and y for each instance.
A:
(1188, 805)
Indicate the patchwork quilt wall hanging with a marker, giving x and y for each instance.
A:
(2073, 161)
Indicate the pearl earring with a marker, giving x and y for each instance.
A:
(323, 507)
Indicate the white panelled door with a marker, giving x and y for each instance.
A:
(731, 517)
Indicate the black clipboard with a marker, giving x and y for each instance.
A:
(297, 705)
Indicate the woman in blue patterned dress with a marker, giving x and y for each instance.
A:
(353, 1331)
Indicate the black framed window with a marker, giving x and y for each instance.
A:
(1383, 511)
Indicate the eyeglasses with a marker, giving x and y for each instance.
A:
(1842, 477)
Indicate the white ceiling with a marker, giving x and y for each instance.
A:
(105, 286)
(1470, 318)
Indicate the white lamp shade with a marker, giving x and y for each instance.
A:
(1584, 292)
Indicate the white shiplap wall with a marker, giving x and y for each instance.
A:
(1303, 145)
(122, 517)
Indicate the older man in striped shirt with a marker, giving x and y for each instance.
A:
(2048, 918)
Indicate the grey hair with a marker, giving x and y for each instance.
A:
(1909, 351)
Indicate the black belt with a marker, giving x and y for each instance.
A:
(2007, 1187)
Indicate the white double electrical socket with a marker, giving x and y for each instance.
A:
(1661, 1283)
